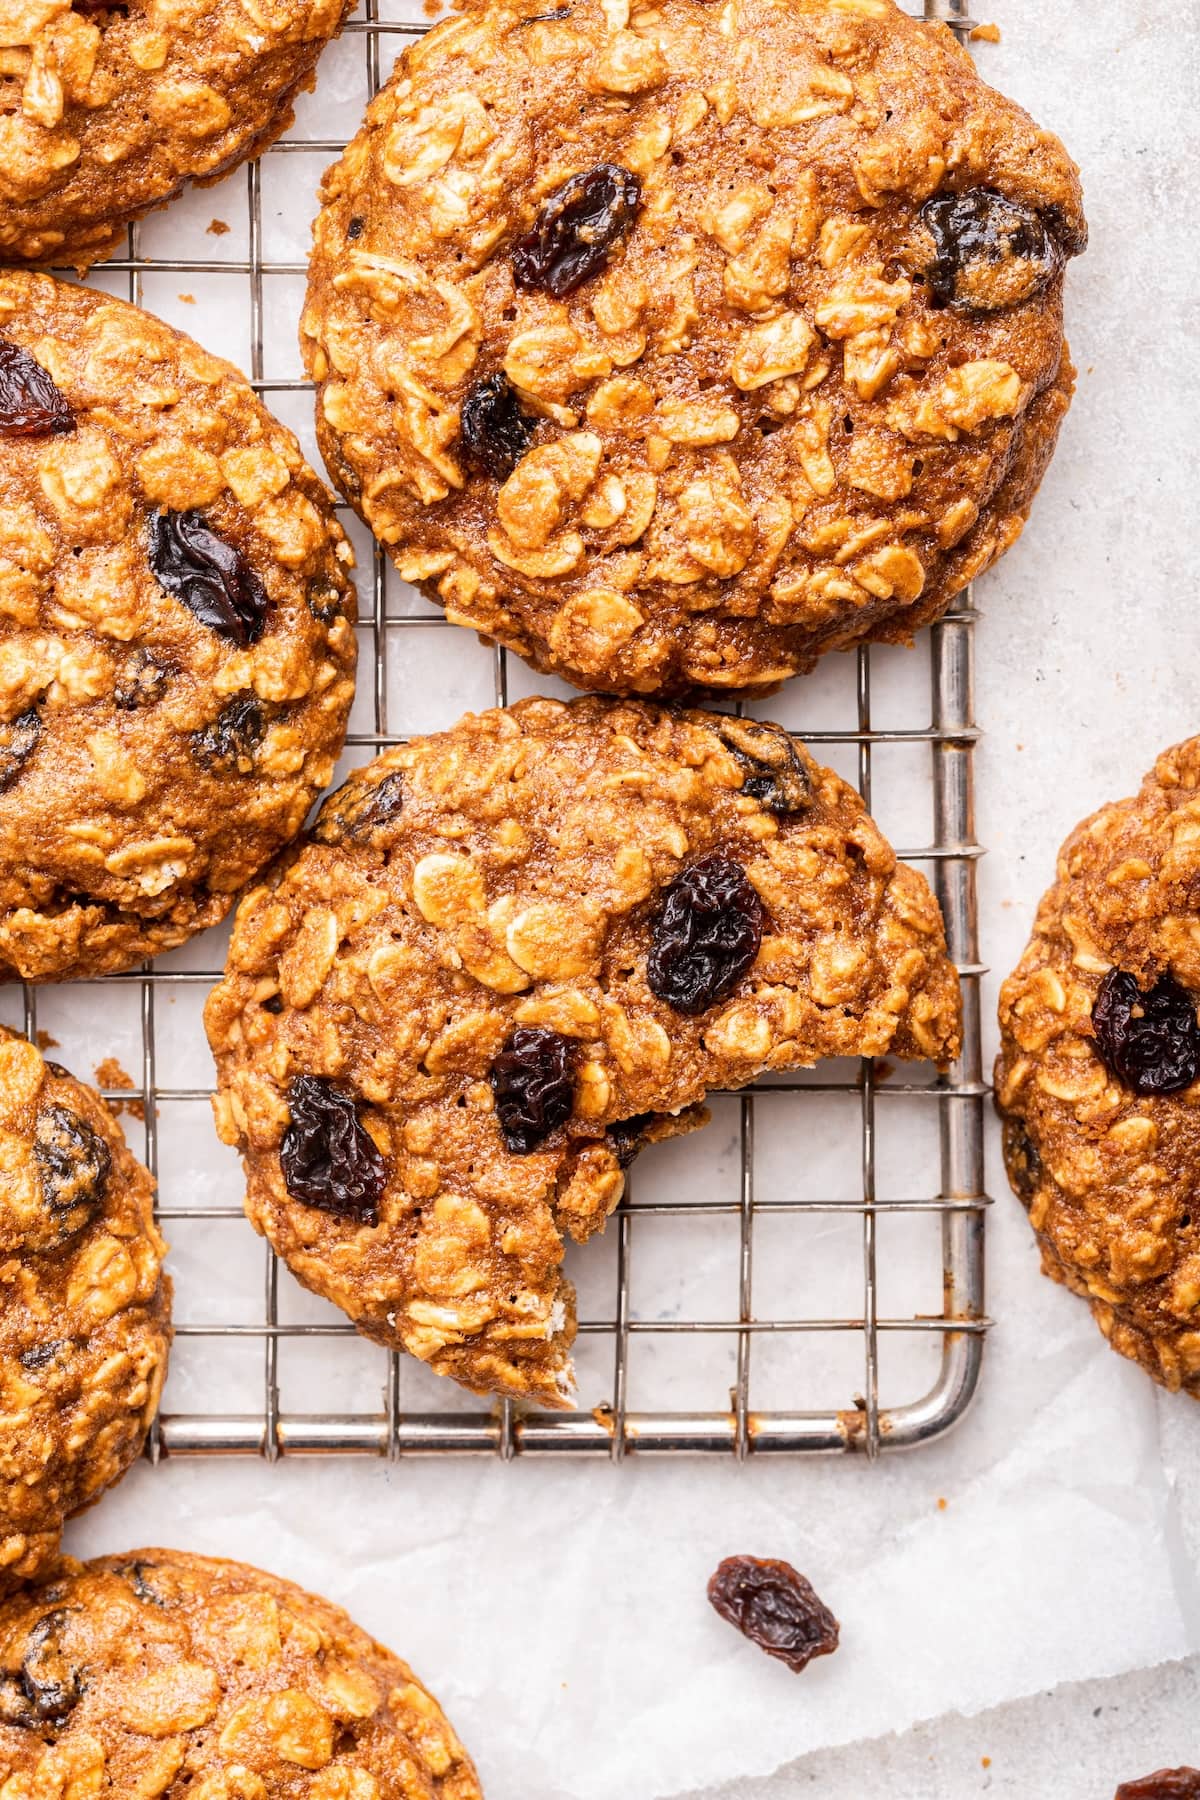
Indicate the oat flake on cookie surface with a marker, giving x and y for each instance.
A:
(84, 1306)
(510, 955)
(159, 1675)
(108, 109)
(673, 345)
(176, 633)
(1098, 1078)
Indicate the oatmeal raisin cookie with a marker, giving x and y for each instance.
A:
(509, 955)
(109, 109)
(1098, 1079)
(672, 346)
(84, 1305)
(176, 633)
(186, 1677)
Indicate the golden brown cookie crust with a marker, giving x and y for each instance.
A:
(112, 110)
(188, 1678)
(169, 761)
(84, 1305)
(517, 886)
(759, 434)
(1109, 1176)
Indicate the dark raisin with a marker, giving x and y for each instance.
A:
(355, 227)
(324, 600)
(776, 776)
(142, 681)
(273, 1004)
(575, 229)
(534, 1087)
(775, 1608)
(139, 1574)
(1149, 1041)
(228, 742)
(74, 1163)
(356, 811)
(495, 432)
(1022, 1161)
(213, 580)
(328, 1158)
(628, 1136)
(1164, 1784)
(706, 936)
(546, 18)
(40, 1356)
(31, 406)
(47, 1684)
(989, 252)
(18, 741)
(88, 9)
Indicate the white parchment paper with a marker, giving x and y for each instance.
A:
(559, 1610)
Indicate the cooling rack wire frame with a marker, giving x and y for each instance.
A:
(823, 1127)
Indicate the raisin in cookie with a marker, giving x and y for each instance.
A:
(1098, 1079)
(672, 348)
(507, 957)
(176, 633)
(84, 1305)
(113, 107)
(161, 1673)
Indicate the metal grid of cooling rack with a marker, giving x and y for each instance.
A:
(734, 1421)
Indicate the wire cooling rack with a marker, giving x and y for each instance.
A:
(804, 1275)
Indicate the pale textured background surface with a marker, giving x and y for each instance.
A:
(559, 1611)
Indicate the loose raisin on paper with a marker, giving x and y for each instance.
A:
(776, 776)
(31, 405)
(74, 1164)
(775, 1607)
(989, 252)
(213, 580)
(576, 227)
(228, 742)
(1149, 1041)
(534, 1087)
(706, 936)
(357, 810)
(328, 1158)
(1164, 1784)
(47, 1684)
(18, 741)
(495, 432)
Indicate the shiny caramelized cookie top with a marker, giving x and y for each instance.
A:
(84, 1304)
(160, 1673)
(112, 107)
(1098, 1077)
(511, 953)
(176, 632)
(672, 345)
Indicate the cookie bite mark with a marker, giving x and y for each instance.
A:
(508, 958)
(1097, 1077)
(673, 349)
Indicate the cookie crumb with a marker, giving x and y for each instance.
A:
(986, 34)
(109, 1074)
(985, 1762)
(942, 1504)
(216, 228)
(46, 1042)
(188, 299)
